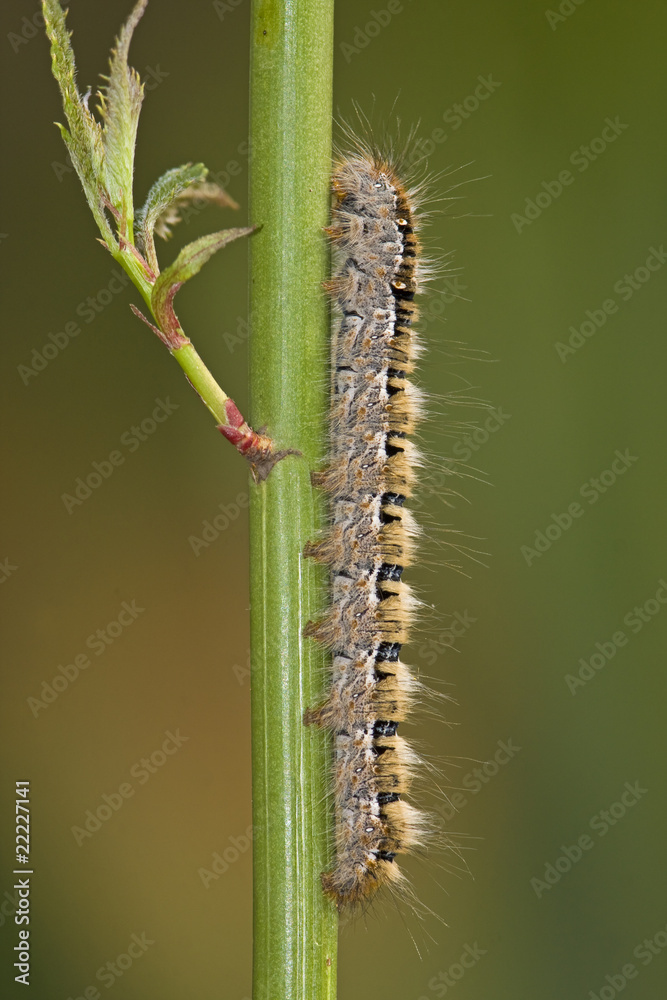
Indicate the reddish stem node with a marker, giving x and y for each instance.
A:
(257, 448)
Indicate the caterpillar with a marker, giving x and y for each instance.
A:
(371, 537)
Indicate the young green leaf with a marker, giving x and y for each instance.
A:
(189, 262)
(84, 138)
(197, 195)
(176, 188)
(160, 199)
(120, 105)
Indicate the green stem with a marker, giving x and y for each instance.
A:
(136, 272)
(295, 926)
(198, 375)
(201, 379)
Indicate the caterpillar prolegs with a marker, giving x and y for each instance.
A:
(369, 474)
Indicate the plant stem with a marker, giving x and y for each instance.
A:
(196, 372)
(295, 926)
(202, 381)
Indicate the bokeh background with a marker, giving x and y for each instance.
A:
(506, 97)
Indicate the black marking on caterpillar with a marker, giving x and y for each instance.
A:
(371, 536)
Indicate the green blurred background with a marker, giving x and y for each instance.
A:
(512, 291)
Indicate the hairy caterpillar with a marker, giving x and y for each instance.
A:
(371, 536)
